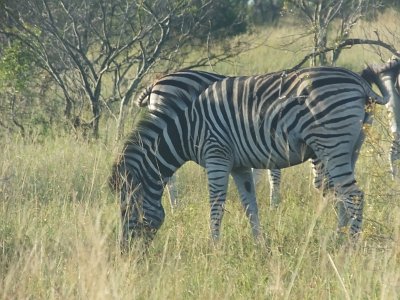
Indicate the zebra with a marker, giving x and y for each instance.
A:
(268, 121)
(386, 77)
(145, 166)
(184, 82)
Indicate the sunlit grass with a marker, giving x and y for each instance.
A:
(59, 224)
(59, 235)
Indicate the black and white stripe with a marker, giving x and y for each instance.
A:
(172, 91)
(271, 121)
(387, 78)
(178, 89)
(185, 82)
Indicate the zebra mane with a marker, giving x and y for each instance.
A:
(144, 96)
(143, 100)
(121, 172)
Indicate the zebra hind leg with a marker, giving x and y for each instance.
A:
(245, 184)
(350, 198)
(339, 163)
(350, 210)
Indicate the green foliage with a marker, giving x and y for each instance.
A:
(264, 12)
(219, 19)
(23, 103)
(16, 68)
(227, 17)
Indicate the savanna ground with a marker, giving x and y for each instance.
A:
(59, 224)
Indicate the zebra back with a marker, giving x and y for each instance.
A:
(176, 89)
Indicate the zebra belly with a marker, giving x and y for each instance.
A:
(277, 157)
(289, 151)
(291, 158)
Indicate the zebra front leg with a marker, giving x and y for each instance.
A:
(274, 177)
(218, 176)
(245, 185)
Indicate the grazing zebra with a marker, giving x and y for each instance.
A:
(386, 77)
(269, 121)
(152, 153)
(165, 92)
(185, 83)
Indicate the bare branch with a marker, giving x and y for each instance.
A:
(348, 43)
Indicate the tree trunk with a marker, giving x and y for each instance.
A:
(14, 117)
(96, 118)
(121, 120)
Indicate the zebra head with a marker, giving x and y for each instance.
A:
(140, 206)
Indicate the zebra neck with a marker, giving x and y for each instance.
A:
(387, 87)
(160, 159)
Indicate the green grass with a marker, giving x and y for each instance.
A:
(59, 231)
(59, 226)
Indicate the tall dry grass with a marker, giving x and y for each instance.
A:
(59, 226)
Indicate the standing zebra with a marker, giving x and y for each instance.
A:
(386, 77)
(269, 121)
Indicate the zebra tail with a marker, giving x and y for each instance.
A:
(370, 75)
(144, 97)
(375, 98)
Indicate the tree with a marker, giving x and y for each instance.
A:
(319, 16)
(87, 43)
(265, 11)
(15, 77)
